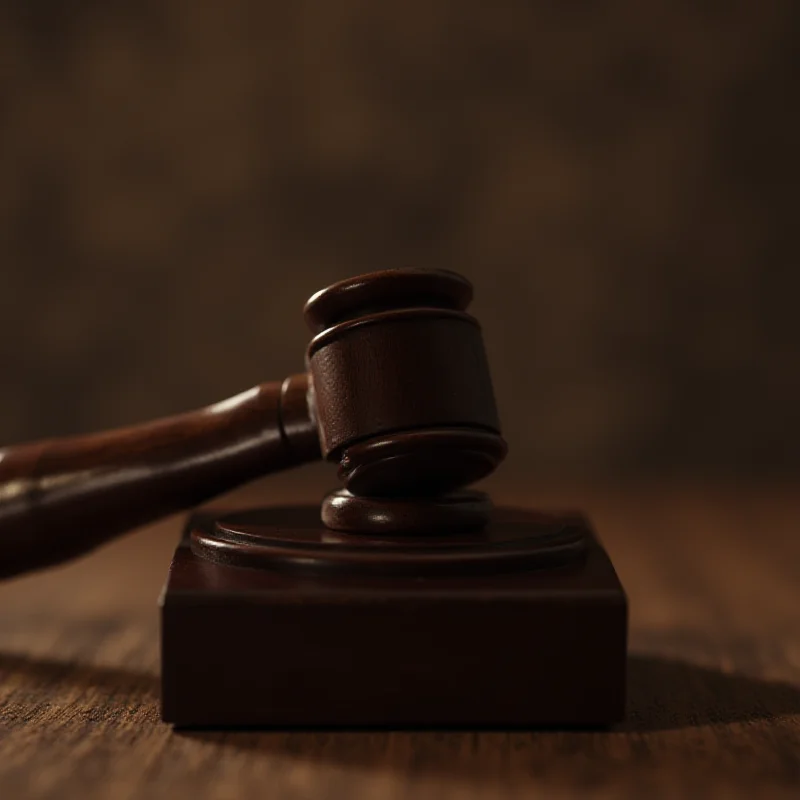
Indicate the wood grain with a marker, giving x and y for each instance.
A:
(714, 708)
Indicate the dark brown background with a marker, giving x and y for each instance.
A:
(619, 182)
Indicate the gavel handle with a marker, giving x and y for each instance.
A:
(60, 498)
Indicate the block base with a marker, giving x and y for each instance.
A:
(274, 648)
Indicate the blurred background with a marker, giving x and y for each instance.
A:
(619, 181)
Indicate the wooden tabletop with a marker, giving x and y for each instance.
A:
(713, 578)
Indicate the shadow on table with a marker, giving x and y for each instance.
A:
(37, 673)
(668, 694)
(663, 694)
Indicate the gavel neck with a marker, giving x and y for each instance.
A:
(297, 417)
(62, 497)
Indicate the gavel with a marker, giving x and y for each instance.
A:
(406, 598)
(397, 392)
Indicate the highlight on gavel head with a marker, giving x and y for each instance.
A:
(403, 395)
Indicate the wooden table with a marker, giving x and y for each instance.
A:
(713, 577)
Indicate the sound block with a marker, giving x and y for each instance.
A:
(270, 619)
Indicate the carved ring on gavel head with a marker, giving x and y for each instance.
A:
(398, 393)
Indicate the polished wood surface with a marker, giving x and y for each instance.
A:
(713, 578)
(63, 497)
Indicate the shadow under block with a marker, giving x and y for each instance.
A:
(262, 647)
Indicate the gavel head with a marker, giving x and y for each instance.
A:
(401, 387)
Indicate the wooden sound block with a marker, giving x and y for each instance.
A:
(522, 625)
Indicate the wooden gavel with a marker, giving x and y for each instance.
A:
(397, 392)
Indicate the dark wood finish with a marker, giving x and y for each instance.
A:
(61, 498)
(455, 512)
(418, 367)
(293, 539)
(420, 463)
(341, 633)
(384, 291)
(712, 573)
(404, 397)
